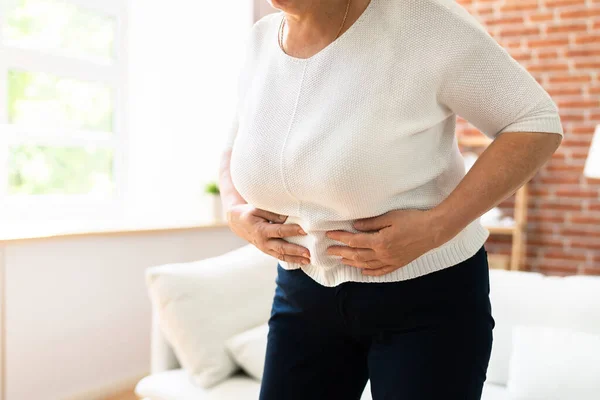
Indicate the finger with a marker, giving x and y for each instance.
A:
(363, 240)
(271, 216)
(370, 264)
(352, 253)
(286, 248)
(373, 223)
(281, 230)
(288, 258)
(379, 271)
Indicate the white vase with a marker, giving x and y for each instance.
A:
(217, 208)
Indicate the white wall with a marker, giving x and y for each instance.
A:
(183, 62)
(262, 8)
(78, 315)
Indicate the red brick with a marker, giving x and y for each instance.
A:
(571, 117)
(555, 217)
(543, 242)
(540, 17)
(581, 13)
(576, 143)
(557, 270)
(591, 52)
(561, 3)
(580, 232)
(565, 255)
(560, 179)
(558, 206)
(559, 166)
(532, 30)
(519, 6)
(567, 90)
(594, 207)
(548, 42)
(570, 78)
(585, 104)
(548, 54)
(585, 39)
(588, 65)
(586, 244)
(485, 10)
(567, 28)
(510, 43)
(538, 191)
(548, 67)
(585, 220)
(587, 194)
(582, 129)
(594, 89)
(579, 156)
(591, 271)
(503, 21)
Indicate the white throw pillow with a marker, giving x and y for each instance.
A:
(201, 304)
(532, 299)
(249, 349)
(554, 364)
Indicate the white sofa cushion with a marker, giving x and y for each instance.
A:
(554, 364)
(532, 299)
(249, 349)
(177, 385)
(201, 304)
(513, 296)
(494, 392)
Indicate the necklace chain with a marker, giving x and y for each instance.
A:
(282, 23)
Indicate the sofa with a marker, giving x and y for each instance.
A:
(546, 339)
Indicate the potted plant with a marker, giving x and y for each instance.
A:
(212, 189)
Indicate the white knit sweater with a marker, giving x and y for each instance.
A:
(367, 125)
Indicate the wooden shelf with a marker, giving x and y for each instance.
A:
(474, 141)
(517, 231)
(499, 261)
(501, 230)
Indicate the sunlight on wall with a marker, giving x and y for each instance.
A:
(183, 63)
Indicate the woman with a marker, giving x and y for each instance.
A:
(342, 162)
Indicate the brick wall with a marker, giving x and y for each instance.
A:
(558, 42)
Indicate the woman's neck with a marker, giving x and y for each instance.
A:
(315, 26)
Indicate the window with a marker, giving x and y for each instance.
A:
(62, 136)
(115, 111)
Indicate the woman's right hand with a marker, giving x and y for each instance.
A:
(252, 224)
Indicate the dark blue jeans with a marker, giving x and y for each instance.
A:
(420, 339)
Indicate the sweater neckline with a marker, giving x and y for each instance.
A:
(344, 36)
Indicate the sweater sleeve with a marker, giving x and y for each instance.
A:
(486, 86)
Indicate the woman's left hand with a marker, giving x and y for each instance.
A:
(388, 241)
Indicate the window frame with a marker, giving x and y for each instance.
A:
(60, 64)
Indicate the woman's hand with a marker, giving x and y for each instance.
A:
(252, 224)
(389, 241)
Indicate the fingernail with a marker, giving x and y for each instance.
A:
(302, 231)
(305, 254)
(304, 261)
(282, 217)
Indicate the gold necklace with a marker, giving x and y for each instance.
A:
(281, 25)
